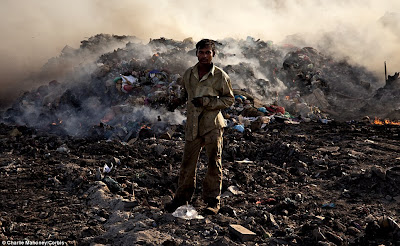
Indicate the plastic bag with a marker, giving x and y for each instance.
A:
(187, 212)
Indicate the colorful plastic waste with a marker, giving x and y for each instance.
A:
(240, 97)
(239, 128)
(128, 83)
(328, 205)
(262, 109)
(107, 169)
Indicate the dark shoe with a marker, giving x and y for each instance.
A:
(173, 205)
(212, 209)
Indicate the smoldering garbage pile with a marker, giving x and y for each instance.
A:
(119, 93)
(92, 157)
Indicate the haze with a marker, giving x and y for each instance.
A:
(34, 31)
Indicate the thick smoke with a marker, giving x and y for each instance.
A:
(365, 32)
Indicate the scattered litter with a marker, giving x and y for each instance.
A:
(243, 233)
(239, 128)
(63, 149)
(107, 169)
(328, 205)
(245, 161)
(266, 201)
(187, 212)
(235, 190)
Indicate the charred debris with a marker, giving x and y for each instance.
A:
(91, 156)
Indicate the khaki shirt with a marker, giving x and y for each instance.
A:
(216, 89)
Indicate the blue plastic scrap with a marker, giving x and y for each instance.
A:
(328, 205)
(239, 128)
(262, 109)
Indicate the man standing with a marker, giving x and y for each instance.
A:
(208, 90)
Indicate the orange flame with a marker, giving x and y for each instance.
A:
(57, 123)
(378, 121)
(145, 127)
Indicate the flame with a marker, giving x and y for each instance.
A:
(378, 121)
(57, 123)
(145, 127)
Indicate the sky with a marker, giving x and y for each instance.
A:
(33, 31)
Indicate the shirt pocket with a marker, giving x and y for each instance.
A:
(206, 90)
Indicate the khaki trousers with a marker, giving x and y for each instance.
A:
(212, 184)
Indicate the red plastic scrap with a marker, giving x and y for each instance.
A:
(276, 109)
(267, 201)
(128, 88)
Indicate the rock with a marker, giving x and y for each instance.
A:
(329, 149)
(352, 162)
(224, 241)
(388, 222)
(298, 197)
(228, 210)
(128, 205)
(159, 149)
(353, 231)
(113, 185)
(334, 238)
(99, 175)
(226, 194)
(379, 171)
(318, 235)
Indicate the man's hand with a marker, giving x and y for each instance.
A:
(197, 101)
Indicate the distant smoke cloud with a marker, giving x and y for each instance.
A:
(34, 31)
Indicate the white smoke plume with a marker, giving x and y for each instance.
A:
(364, 31)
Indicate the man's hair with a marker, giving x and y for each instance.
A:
(206, 43)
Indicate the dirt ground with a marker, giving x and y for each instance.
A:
(306, 184)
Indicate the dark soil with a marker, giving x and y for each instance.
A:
(306, 184)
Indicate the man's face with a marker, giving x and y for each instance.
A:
(205, 55)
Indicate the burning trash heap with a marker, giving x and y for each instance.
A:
(92, 155)
(114, 94)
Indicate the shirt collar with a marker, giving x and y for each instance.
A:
(196, 70)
